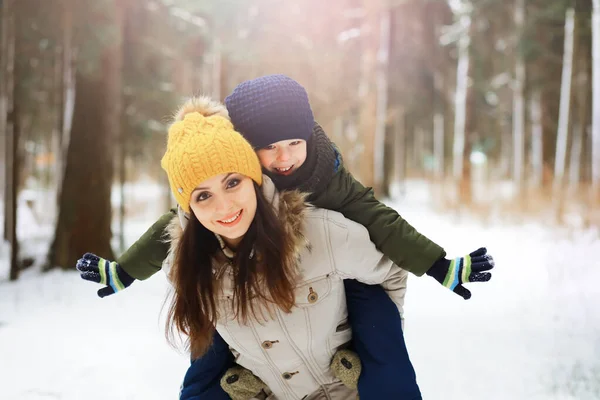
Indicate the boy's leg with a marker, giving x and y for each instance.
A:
(202, 379)
(377, 336)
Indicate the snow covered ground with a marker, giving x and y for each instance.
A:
(532, 332)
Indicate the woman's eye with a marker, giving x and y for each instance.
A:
(233, 183)
(202, 196)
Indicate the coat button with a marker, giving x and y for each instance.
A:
(312, 296)
(347, 364)
(268, 344)
(288, 375)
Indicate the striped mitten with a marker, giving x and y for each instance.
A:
(104, 272)
(453, 273)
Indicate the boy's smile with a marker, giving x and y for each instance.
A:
(283, 157)
(284, 170)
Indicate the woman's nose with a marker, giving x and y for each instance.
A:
(224, 204)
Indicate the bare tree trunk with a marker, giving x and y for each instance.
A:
(127, 58)
(113, 69)
(582, 83)
(67, 97)
(596, 102)
(575, 156)
(439, 89)
(519, 101)
(383, 56)
(11, 129)
(53, 142)
(367, 92)
(84, 218)
(4, 20)
(464, 119)
(400, 149)
(438, 145)
(12, 180)
(462, 81)
(537, 134)
(7, 102)
(419, 143)
(563, 117)
(505, 150)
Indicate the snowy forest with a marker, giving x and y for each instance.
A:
(477, 120)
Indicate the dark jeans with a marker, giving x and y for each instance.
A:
(377, 338)
(202, 379)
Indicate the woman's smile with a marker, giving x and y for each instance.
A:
(231, 219)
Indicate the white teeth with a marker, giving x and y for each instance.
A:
(284, 169)
(230, 220)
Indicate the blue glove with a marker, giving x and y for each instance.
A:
(104, 272)
(453, 273)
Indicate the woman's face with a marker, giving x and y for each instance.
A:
(226, 205)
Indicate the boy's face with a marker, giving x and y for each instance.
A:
(283, 157)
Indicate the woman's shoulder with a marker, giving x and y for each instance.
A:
(333, 222)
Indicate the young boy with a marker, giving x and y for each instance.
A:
(274, 114)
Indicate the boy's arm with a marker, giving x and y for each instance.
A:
(140, 261)
(393, 235)
(145, 257)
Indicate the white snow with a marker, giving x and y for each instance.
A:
(532, 332)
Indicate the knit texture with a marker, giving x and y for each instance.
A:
(105, 272)
(270, 109)
(470, 268)
(201, 146)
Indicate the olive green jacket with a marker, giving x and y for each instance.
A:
(395, 237)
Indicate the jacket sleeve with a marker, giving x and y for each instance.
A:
(391, 233)
(356, 257)
(145, 257)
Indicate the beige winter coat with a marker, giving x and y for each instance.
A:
(292, 352)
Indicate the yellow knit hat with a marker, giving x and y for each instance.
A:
(202, 144)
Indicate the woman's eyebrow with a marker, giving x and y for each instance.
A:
(205, 188)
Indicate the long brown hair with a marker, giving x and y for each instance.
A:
(263, 278)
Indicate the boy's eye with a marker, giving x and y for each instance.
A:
(202, 196)
(233, 183)
(269, 147)
(295, 143)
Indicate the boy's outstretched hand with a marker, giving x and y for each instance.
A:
(104, 272)
(453, 273)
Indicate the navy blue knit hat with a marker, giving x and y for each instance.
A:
(269, 109)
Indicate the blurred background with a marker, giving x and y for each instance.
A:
(479, 121)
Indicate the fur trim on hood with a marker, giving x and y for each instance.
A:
(290, 206)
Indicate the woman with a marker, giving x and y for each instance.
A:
(264, 269)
